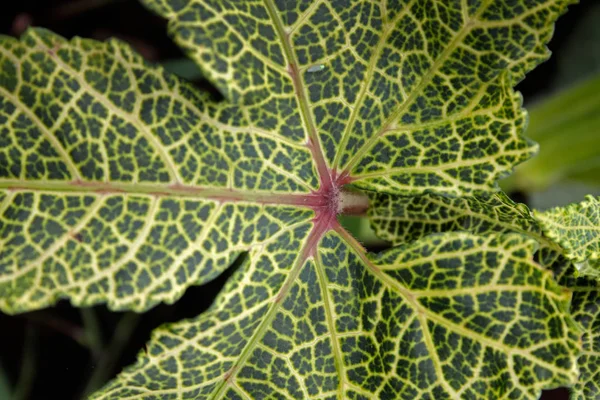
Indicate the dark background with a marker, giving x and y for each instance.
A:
(47, 353)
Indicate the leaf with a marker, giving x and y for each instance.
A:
(407, 219)
(568, 119)
(123, 185)
(577, 229)
(580, 57)
(397, 108)
(585, 308)
(120, 183)
(449, 316)
(93, 127)
(586, 311)
(400, 219)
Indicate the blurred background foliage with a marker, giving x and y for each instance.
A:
(64, 353)
(564, 119)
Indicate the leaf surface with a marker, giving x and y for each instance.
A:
(585, 308)
(586, 311)
(576, 228)
(400, 219)
(446, 317)
(106, 158)
(121, 184)
(402, 96)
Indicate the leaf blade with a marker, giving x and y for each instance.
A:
(88, 126)
(585, 311)
(405, 219)
(576, 228)
(357, 324)
(292, 73)
(347, 43)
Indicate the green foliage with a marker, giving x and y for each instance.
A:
(406, 219)
(442, 318)
(585, 307)
(115, 168)
(577, 229)
(121, 184)
(570, 119)
(580, 57)
(408, 128)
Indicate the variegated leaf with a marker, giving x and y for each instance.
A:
(585, 308)
(577, 229)
(400, 219)
(450, 316)
(121, 184)
(401, 96)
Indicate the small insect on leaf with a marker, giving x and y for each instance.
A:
(316, 68)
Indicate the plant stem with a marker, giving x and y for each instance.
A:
(110, 355)
(93, 335)
(27, 373)
(362, 231)
(5, 389)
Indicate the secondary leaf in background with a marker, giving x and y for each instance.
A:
(399, 219)
(585, 308)
(446, 317)
(566, 124)
(580, 56)
(577, 229)
(586, 311)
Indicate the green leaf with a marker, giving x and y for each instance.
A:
(569, 119)
(585, 308)
(400, 219)
(399, 109)
(577, 229)
(586, 311)
(119, 169)
(579, 55)
(121, 184)
(443, 318)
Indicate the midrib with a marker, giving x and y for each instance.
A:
(309, 123)
(269, 316)
(167, 190)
